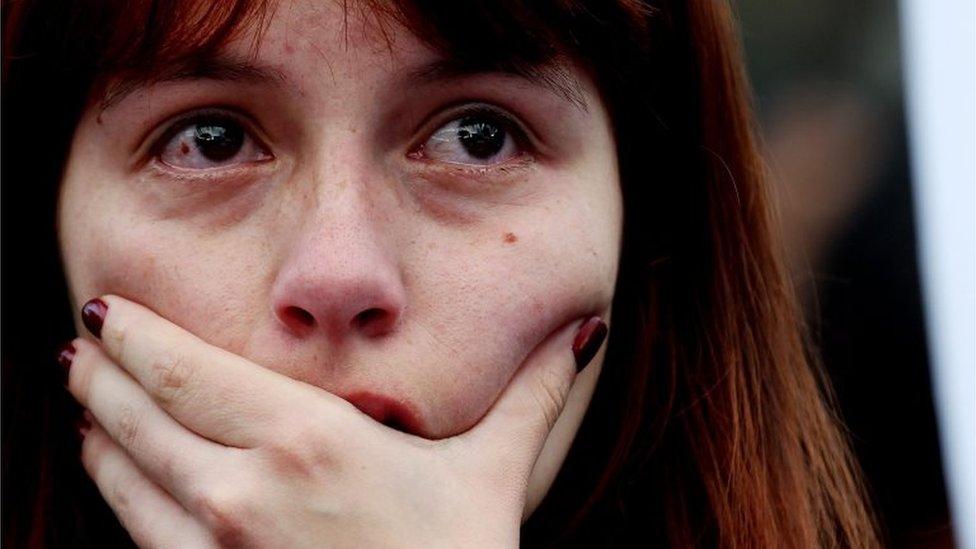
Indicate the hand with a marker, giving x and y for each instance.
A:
(193, 446)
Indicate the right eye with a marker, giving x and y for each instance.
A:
(208, 141)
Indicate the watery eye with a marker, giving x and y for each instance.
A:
(211, 141)
(475, 139)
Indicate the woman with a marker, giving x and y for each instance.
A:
(336, 266)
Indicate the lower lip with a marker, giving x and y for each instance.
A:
(387, 411)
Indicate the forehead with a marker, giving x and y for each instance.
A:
(308, 42)
(343, 36)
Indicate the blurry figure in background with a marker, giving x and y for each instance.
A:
(829, 85)
(823, 146)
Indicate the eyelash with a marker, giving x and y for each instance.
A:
(509, 123)
(183, 121)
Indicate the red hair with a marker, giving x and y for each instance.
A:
(711, 424)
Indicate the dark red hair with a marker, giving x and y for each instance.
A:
(711, 425)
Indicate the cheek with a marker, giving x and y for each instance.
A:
(506, 291)
(173, 271)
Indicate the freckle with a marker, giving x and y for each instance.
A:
(184, 148)
(510, 238)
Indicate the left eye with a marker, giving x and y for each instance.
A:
(474, 139)
(210, 141)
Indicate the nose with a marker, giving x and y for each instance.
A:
(341, 278)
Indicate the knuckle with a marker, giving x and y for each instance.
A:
(127, 426)
(170, 375)
(172, 468)
(115, 335)
(123, 501)
(122, 490)
(299, 452)
(225, 510)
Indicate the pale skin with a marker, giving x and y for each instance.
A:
(349, 246)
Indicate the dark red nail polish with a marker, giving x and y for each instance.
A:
(93, 315)
(65, 355)
(588, 341)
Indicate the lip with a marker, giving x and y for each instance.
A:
(389, 411)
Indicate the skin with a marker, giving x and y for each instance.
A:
(349, 254)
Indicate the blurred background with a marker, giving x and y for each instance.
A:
(828, 81)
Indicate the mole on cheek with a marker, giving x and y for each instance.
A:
(509, 238)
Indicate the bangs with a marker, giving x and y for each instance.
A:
(125, 42)
(142, 40)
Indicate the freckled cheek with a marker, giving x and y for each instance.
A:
(564, 269)
(130, 267)
(521, 293)
(154, 267)
(106, 247)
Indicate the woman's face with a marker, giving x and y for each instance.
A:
(341, 210)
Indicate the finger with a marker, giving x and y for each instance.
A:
(170, 454)
(148, 513)
(520, 420)
(213, 392)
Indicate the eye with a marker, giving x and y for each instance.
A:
(209, 140)
(473, 139)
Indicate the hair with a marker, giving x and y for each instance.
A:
(712, 423)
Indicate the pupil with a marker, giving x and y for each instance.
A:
(481, 138)
(218, 140)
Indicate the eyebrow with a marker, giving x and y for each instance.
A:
(220, 68)
(552, 76)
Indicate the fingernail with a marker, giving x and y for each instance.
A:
(83, 425)
(93, 315)
(588, 341)
(65, 355)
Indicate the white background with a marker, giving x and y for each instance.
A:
(940, 78)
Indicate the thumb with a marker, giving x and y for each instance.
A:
(529, 406)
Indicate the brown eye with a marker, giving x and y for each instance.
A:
(478, 139)
(210, 141)
(218, 141)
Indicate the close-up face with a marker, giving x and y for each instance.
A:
(334, 205)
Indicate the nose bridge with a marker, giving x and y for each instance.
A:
(344, 235)
(352, 206)
(347, 190)
(341, 208)
(342, 276)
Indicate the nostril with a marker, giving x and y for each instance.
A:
(394, 422)
(370, 319)
(298, 316)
